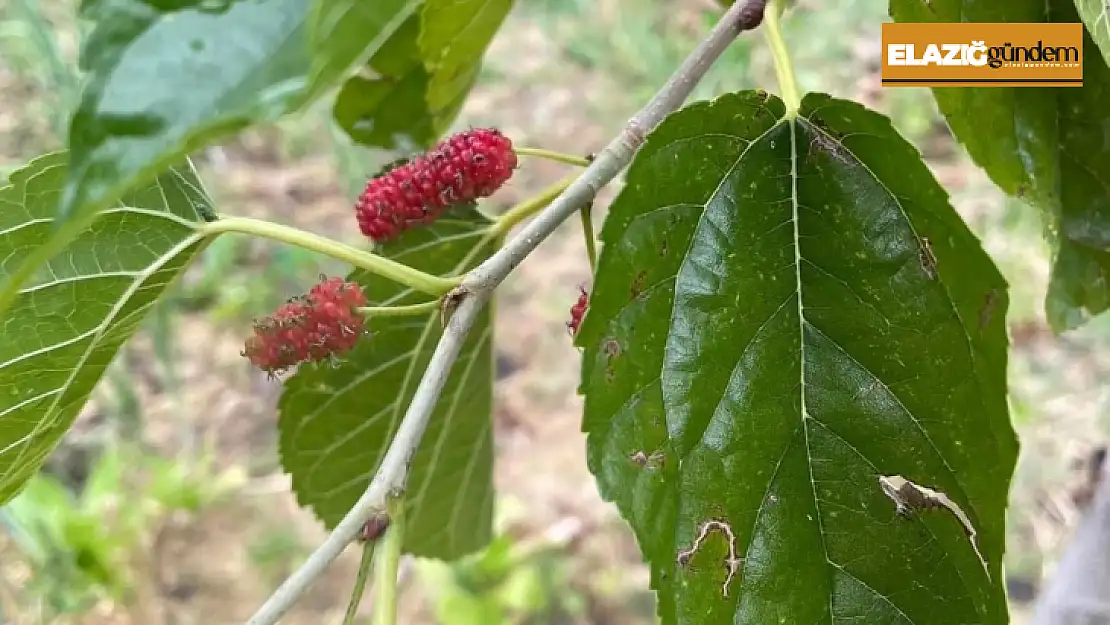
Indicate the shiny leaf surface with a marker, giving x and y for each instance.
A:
(166, 79)
(786, 309)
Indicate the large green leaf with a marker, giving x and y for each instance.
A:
(786, 309)
(1096, 17)
(166, 79)
(390, 109)
(1045, 145)
(337, 421)
(68, 321)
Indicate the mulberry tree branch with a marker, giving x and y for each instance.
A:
(478, 285)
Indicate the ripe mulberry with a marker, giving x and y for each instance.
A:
(463, 168)
(578, 311)
(309, 328)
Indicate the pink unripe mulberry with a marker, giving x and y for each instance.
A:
(311, 328)
(467, 166)
(578, 311)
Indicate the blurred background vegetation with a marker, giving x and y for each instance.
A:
(166, 503)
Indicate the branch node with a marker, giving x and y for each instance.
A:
(374, 528)
(751, 16)
(635, 134)
(450, 303)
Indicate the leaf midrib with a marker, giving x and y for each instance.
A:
(794, 206)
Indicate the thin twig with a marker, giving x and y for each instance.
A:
(569, 159)
(385, 568)
(478, 285)
(588, 232)
(363, 575)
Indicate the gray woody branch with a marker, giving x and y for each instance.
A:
(1079, 591)
(478, 285)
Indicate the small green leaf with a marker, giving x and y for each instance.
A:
(68, 322)
(786, 309)
(345, 33)
(453, 39)
(166, 80)
(390, 109)
(421, 77)
(1096, 17)
(1044, 145)
(337, 421)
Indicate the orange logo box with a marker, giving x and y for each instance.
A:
(982, 55)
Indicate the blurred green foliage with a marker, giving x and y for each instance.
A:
(80, 547)
(506, 583)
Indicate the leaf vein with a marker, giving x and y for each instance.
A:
(49, 415)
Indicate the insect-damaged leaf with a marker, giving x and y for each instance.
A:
(337, 422)
(786, 309)
(67, 323)
(1048, 146)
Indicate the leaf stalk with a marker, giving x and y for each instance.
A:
(398, 311)
(364, 568)
(588, 232)
(529, 207)
(784, 67)
(550, 155)
(398, 272)
(389, 557)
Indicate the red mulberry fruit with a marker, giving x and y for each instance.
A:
(578, 311)
(309, 328)
(463, 168)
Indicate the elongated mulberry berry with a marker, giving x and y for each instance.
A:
(308, 328)
(463, 168)
(578, 311)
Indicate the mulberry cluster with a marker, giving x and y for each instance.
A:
(578, 311)
(308, 328)
(463, 168)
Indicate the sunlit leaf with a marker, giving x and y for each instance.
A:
(70, 319)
